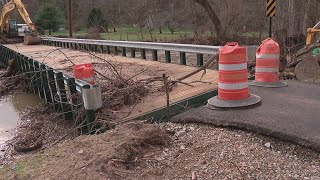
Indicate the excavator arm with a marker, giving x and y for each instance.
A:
(8, 7)
(24, 14)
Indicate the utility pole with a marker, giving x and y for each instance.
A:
(70, 17)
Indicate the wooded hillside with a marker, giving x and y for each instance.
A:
(293, 17)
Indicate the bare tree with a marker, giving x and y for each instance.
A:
(214, 18)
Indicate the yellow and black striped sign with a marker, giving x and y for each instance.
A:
(271, 8)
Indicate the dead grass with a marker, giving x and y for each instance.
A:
(114, 155)
(169, 151)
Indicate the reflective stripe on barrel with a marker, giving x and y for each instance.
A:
(268, 62)
(233, 73)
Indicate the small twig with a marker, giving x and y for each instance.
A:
(96, 71)
(136, 75)
(186, 84)
(112, 66)
(204, 82)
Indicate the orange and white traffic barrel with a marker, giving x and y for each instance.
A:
(267, 65)
(84, 72)
(233, 88)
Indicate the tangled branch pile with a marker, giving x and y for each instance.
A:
(40, 126)
(119, 89)
(10, 83)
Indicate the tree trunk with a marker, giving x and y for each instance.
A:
(307, 21)
(295, 18)
(214, 18)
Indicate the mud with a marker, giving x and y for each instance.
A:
(11, 108)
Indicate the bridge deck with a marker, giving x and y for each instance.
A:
(58, 58)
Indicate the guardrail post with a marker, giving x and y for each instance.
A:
(168, 56)
(38, 79)
(29, 76)
(133, 53)
(155, 55)
(71, 83)
(143, 54)
(124, 52)
(108, 50)
(45, 83)
(6, 56)
(116, 50)
(52, 87)
(183, 58)
(95, 48)
(22, 63)
(1, 53)
(217, 63)
(33, 76)
(199, 60)
(89, 115)
(102, 49)
(62, 93)
(17, 61)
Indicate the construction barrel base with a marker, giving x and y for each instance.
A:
(268, 85)
(219, 104)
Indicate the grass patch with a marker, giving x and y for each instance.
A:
(131, 33)
(25, 168)
(134, 34)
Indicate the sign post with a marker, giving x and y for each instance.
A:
(271, 12)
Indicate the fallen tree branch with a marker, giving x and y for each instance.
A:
(196, 71)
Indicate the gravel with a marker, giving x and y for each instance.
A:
(216, 153)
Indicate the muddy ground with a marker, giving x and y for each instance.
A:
(168, 151)
(39, 126)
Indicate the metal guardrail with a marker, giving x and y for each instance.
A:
(187, 48)
(106, 45)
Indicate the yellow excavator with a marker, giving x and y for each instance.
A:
(306, 61)
(9, 28)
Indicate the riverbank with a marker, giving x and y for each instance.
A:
(168, 151)
(26, 122)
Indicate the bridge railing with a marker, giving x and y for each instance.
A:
(108, 46)
(54, 87)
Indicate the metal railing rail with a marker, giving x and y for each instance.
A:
(187, 48)
(104, 46)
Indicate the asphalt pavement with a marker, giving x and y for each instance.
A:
(291, 113)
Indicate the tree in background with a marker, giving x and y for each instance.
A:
(49, 17)
(97, 20)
